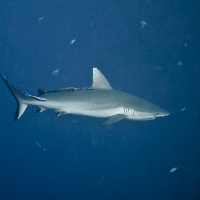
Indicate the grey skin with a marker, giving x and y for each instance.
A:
(100, 100)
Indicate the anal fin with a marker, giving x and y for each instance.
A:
(113, 119)
(40, 109)
(58, 113)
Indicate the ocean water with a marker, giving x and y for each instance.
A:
(146, 48)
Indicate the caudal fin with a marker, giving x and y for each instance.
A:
(22, 100)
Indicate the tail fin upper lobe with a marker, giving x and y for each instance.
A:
(22, 100)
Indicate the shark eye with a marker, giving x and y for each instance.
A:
(157, 113)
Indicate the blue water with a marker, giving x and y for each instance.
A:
(83, 160)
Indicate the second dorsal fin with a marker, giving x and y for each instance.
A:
(40, 92)
(99, 81)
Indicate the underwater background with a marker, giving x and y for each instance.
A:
(147, 48)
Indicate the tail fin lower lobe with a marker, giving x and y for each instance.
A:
(22, 100)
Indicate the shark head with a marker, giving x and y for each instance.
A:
(138, 115)
(144, 111)
(151, 114)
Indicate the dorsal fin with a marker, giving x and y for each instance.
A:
(99, 81)
(40, 92)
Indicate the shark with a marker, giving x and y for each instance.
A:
(100, 100)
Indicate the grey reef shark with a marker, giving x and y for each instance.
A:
(99, 100)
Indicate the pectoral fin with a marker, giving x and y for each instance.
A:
(113, 119)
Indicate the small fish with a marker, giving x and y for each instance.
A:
(143, 24)
(72, 42)
(183, 109)
(179, 63)
(56, 72)
(40, 19)
(173, 169)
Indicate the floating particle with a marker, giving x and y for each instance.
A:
(56, 72)
(183, 109)
(102, 178)
(179, 63)
(158, 68)
(143, 24)
(40, 19)
(37, 143)
(72, 42)
(185, 44)
(173, 170)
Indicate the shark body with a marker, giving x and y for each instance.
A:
(99, 100)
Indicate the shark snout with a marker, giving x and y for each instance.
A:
(163, 113)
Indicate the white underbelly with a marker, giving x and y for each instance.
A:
(96, 112)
